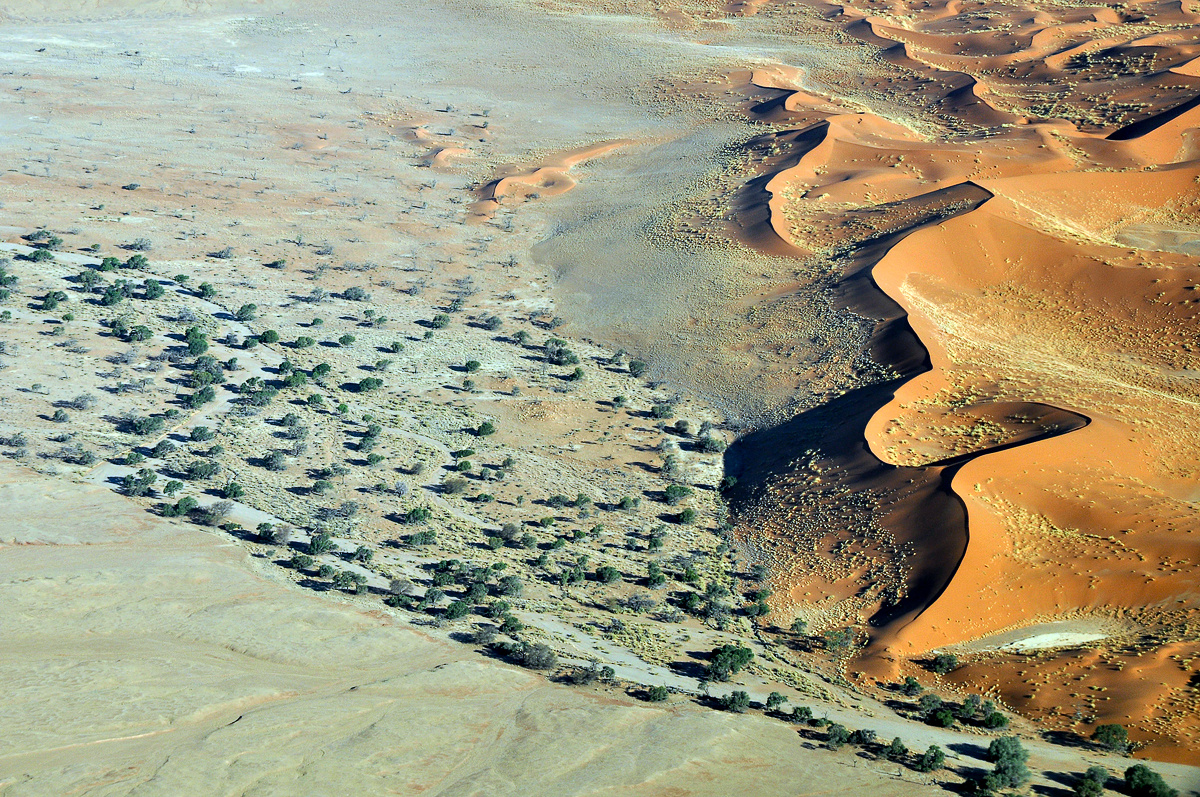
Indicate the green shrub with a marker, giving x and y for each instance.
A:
(320, 543)
(944, 663)
(677, 492)
(152, 289)
(657, 694)
(607, 574)
(1091, 783)
(931, 760)
(1111, 737)
(1141, 781)
(737, 701)
(726, 661)
(836, 736)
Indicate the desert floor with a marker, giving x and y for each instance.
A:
(436, 333)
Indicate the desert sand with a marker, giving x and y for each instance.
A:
(853, 335)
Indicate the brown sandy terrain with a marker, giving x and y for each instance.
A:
(929, 270)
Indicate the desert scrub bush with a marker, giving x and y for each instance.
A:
(836, 736)
(320, 543)
(943, 663)
(931, 760)
(1091, 783)
(152, 289)
(346, 340)
(213, 514)
(1111, 737)
(1141, 781)
(147, 425)
(163, 448)
(201, 469)
(736, 701)
(557, 353)
(607, 574)
(676, 493)
(537, 656)
(138, 484)
(180, 508)
(726, 661)
(201, 397)
(510, 586)
(1009, 758)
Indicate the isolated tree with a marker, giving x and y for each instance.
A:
(1009, 758)
(1141, 781)
(726, 661)
(247, 312)
(1091, 783)
(944, 663)
(1111, 737)
(737, 701)
(152, 289)
(836, 736)
(320, 543)
(138, 484)
(931, 760)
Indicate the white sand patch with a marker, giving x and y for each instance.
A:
(1046, 641)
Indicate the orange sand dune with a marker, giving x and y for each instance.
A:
(548, 177)
(1034, 458)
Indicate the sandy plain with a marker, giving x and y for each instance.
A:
(929, 271)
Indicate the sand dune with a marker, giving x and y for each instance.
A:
(1044, 381)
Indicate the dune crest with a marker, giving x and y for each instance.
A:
(548, 177)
